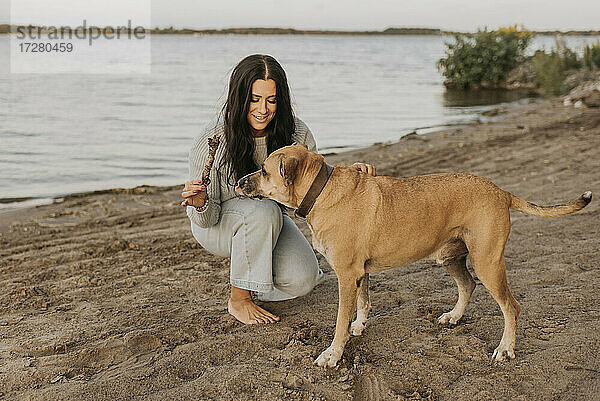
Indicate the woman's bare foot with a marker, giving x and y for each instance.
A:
(242, 307)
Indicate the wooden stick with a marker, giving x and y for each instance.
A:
(213, 144)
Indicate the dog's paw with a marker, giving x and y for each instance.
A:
(357, 327)
(449, 317)
(329, 357)
(503, 353)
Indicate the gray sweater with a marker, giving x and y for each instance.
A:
(219, 190)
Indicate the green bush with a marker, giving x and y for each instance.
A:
(549, 73)
(483, 59)
(591, 56)
(551, 68)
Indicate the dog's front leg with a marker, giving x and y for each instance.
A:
(347, 304)
(363, 307)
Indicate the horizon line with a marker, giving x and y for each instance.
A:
(289, 30)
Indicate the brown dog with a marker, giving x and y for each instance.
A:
(364, 224)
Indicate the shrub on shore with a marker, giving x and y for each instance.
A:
(492, 59)
(483, 59)
(591, 56)
(552, 68)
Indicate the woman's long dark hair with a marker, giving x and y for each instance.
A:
(239, 141)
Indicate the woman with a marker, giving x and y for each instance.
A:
(269, 255)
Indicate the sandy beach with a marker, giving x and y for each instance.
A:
(107, 296)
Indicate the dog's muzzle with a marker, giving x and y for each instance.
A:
(242, 188)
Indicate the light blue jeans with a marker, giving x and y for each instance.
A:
(268, 252)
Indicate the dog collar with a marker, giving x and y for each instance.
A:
(315, 190)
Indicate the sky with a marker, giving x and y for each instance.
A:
(457, 15)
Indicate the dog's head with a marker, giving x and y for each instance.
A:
(285, 176)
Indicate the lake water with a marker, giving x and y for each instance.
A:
(65, 133)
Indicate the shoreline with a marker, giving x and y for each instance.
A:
(15, 204)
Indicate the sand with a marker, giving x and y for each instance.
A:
(106, 296)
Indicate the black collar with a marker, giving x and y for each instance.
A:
(315, 190)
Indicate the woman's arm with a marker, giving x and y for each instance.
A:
(303, 135)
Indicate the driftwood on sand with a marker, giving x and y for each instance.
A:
(585, 95)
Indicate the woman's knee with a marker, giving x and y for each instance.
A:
(265, 213)
(298, 275)
(212, 241)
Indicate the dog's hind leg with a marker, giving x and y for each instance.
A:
(363, 306)
(487, 257)
(457, 268)
(493, 277)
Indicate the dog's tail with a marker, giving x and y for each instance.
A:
(550, 211)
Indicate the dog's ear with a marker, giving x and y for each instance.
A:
(300, 144)
(287, 169)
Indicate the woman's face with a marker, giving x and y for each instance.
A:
(263, 104)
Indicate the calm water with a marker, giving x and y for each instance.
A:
(69, 133)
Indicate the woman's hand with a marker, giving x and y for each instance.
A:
(194, 193)
(365, 168)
